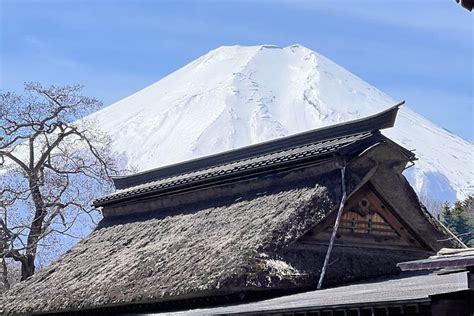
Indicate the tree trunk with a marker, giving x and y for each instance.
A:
(28, 265)
(5, 285)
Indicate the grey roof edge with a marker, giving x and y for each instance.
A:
(327, 307)
(381, 120)
(438, 263)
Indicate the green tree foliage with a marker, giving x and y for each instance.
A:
(459, 218)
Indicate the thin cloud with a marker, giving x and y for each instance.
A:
(423, 15)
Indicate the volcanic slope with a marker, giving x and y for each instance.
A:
(235, 96)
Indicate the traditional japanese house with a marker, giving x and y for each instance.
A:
(245, 225)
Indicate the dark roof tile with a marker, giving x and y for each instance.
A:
(313, 151)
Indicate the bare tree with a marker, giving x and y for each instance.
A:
(53, 163)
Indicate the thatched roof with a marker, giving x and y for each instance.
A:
(207, 248)
(228, 224)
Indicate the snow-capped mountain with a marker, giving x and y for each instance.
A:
(236, 96)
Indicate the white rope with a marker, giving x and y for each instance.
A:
(334, 231)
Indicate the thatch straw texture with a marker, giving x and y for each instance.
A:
(179, 252)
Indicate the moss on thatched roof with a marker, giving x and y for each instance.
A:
(194, 251)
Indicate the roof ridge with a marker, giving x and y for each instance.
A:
(260, 162)
(381, 120)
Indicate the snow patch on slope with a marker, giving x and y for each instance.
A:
(236, 96)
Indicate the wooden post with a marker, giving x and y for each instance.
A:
(334, 230)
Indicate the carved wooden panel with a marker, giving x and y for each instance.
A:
(371, 224)
(366, 221)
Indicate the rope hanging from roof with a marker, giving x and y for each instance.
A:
(336, 225)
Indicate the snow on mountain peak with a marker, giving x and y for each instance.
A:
(235, 96)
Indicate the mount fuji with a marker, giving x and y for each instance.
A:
(235, 96)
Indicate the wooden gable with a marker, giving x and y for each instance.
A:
(366, 221)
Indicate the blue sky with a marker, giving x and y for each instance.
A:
(420, 51)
